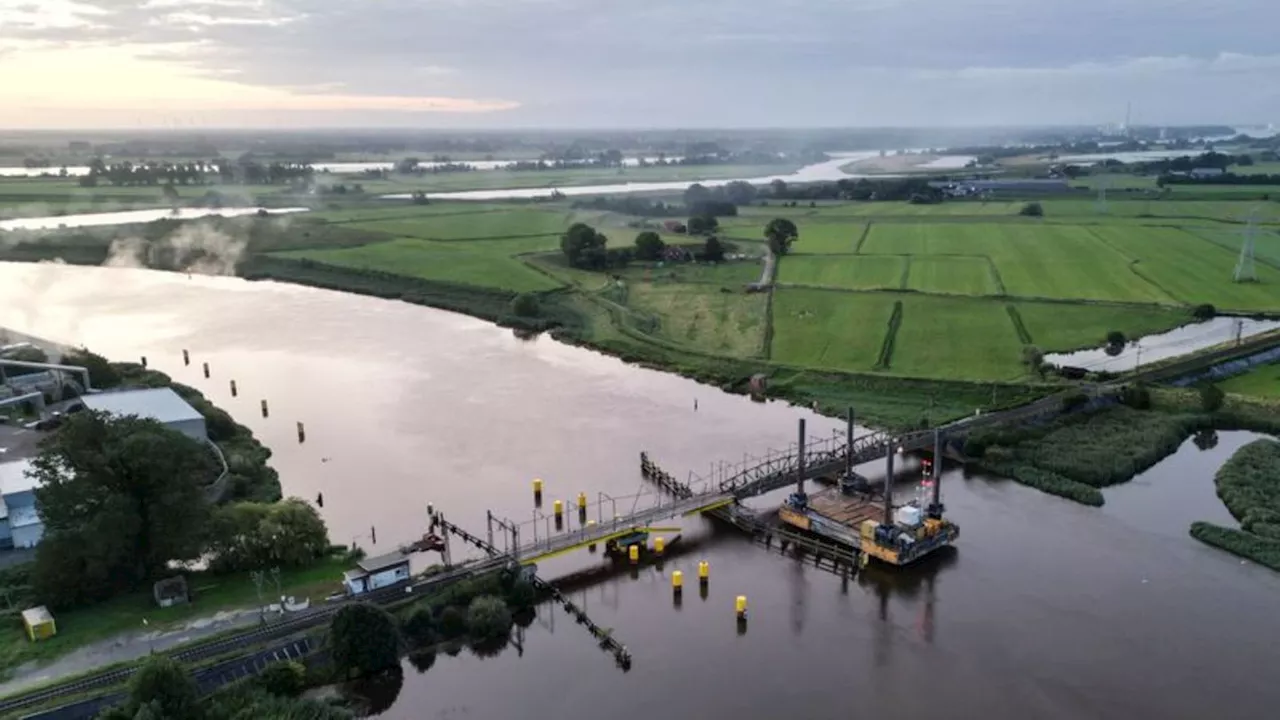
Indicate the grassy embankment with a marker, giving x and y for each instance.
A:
(1249, 485)
(1076, 456)
(1263, 382)
(973, 283)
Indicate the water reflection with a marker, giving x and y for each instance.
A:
(375, 694)
(1206, 439)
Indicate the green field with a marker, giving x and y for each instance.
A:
(1031, 259)
(847, 272)
(702, 317)
(824, 238)
(1192, 269)
(1060, 327)
(817, 328)
(952, 275)
(1260, 382)
(447, 262)
(516, 223)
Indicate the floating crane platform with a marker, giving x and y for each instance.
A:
(855, 520)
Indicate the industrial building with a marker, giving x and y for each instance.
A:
(376, 572)
(160, 404)
(20, 525)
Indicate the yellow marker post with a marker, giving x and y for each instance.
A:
(677, 581)
(633, 552)
(659, 544)
(704, 571)
(582, 502)
(740, 607)
(557, 508)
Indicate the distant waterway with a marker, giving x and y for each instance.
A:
(1047, 609)
(332, 167)
(1162, 346)
(129, 217)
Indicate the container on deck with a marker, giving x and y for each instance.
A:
(907, 516)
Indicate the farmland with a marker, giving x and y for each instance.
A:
(1260, 382)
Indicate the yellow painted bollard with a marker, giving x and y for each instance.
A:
(233, 389)
(557, 508)
(186, 358)
(740, 607)
(677, 581)
(265, 412)
(537, 492)
(659, 544)
(633, 552)
(592, 546)
(582, 502)
(704, 572)
(302, 433)
(206, 371)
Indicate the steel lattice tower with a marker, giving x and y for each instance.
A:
(1246, 269)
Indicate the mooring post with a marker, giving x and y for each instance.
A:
(888, 482)
(800, 462)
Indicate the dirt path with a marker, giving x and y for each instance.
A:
(130, 646)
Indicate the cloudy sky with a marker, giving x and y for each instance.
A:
(636, 63)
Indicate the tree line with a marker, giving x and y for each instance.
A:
(196, 172)
(1223, 179)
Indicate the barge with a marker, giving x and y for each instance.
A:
(852, 514)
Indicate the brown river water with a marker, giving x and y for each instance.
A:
(1046, 609)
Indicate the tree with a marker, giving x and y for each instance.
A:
(1033, 358)
(453, 623)
(1211, 398)
(649, 246)
(252, 536)
(365, 639)
(488, 618)
(521, 594)
(1116, 337)
(166, 687)
(702, 225)
(131, 489)
(101, 372)
(713, 251)
(696, 193)
(740, 192)
(583, 246)
(525, 305)
(419, 626)
(1204, 312)
(781, 232)
(1032, 209)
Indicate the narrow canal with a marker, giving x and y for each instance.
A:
(1048, 609)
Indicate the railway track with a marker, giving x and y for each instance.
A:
(283, 627)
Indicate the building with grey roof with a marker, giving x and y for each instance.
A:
(20, 525)
(160, 404)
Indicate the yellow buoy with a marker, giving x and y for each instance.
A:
(582, 502)
(740, 606)
(633, 552)
(557, 507)
(704, 571)
(659, 544)
(677, 580)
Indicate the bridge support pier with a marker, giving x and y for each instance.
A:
(935, 505)
(888, 482)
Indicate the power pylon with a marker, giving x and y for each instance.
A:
(1246, 268)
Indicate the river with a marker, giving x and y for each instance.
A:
(1047, 609)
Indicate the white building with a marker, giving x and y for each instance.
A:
(376, 572)
(20, 525)
(160, 404)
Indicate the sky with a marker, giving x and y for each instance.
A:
(635, 63)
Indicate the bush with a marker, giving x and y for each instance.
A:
(1249, 485)
(525, 305)
(365, 639)
(649, 246)
(1211, 398)
(1204, 312)
(713, 250)
(1049, 482)
(164, 684)
(453, 623)
(488, 618)
(521, 594)
(286, 679)
(1264, 551)
(1137, 397)
(419, 626)
(1032, 209)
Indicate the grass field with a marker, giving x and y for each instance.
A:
(817, 328)
(1059, 327)
(704, 318)
(733, 274)
(514, 223)
(1260, 382)
(823, 238)
(1032, 260)
(940, 337)
(952, 275)
(447, 262)
(847, 272)
(1192, 269)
